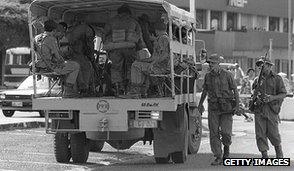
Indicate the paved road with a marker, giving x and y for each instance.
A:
(32, 149)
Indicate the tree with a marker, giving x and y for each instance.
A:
(13, 26)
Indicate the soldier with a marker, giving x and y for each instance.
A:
(267, 115)
(81, 46)
(223, 98)
(49, 58)
(158, 63)
(122, 35)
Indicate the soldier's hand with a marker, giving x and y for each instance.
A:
(201, 108)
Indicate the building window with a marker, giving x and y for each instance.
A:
(277, 65)
(250, 63)
(285, 28)
(260, 23)
(232, 21)
(285, 66)
(246, 21)
(201, 19)
(216, 20)
(274, 24)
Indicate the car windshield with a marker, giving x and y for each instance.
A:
(43, 83)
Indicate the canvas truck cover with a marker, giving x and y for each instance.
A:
(57, 9)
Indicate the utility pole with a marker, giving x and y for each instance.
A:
(289, 38)
(271, 49)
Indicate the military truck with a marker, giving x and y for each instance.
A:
(170, 121)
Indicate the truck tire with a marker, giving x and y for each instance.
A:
(79, 146)
(96, 145)
(181, 156)
(61, 148)
(8, 113)
(162, 160)
(195, 131)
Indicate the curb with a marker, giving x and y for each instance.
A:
(21, 125)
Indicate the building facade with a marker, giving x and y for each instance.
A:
(240, 30)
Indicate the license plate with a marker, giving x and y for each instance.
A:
(17, 104)
(145, 124)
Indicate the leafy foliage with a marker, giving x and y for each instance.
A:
(13, 24)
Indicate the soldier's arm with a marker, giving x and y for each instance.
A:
(54, 48)
(204, 91)
(233, 86)
(281, 90)
(141, 42)
(46, 52)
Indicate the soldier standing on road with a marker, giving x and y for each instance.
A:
(267, 115)
(223, 100)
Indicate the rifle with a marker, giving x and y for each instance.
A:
(258, 95)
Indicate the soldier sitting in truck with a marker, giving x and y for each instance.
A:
(122, 38)
(158, 63)
(49, 58)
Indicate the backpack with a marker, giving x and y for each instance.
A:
(38, 44)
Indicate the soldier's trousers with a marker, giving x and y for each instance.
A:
(122, 60)
(266, 127)
(71, 69)
(220, 131)
(85, 76)
(139, 71)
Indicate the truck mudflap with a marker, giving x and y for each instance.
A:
(172, 135)
(104, 114)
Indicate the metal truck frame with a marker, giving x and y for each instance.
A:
(172, 122)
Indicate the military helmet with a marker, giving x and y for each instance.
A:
(214, 58)
(263, 60)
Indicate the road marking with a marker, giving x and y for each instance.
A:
(32, 162)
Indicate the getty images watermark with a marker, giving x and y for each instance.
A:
(256, 162)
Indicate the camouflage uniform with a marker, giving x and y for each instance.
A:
(51, 59)
(219, 87)
(80, 38)
(267, 117)
(159, 62)
(122, 35)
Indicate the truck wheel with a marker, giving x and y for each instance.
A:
(181, 156)
(79, 146)
(61, 147)
(195, 131)
(8, 113)
(42, 113)
(162, 160)
(96, 145)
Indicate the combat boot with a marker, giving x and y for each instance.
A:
(70, 91)
(264, 154)
(217, 161)
(143, 91)
(226, 152)
(134, 92)
(279, 152)
(118, 89)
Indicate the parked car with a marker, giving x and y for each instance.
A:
(20, 99)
